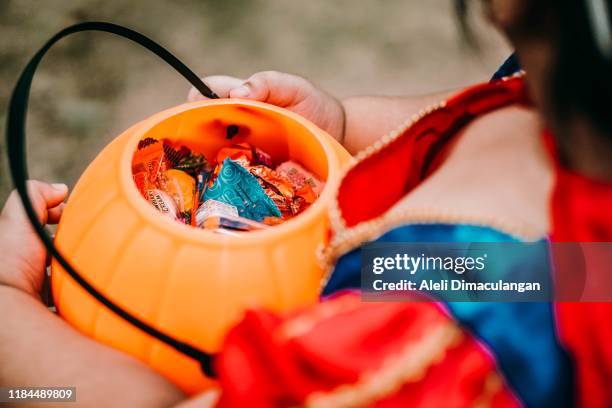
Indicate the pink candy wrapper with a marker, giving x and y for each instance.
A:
(300, 176)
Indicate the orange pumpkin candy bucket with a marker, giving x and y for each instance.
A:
(161, 291)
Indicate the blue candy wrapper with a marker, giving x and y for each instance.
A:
(236, 186)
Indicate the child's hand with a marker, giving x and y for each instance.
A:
(284, 90)
(23, 254)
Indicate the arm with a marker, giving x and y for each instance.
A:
(368, 118)
(356, 122)
(37, 348)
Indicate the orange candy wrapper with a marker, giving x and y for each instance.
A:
(141, 179)
(181, 187)
(245, 154)
(271, 221)
(241, 153)
(149, 166)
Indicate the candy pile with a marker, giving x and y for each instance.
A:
(240, 191)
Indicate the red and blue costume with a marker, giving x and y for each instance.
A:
(344, 352)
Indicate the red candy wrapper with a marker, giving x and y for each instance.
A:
(261, 157)
(149, 166)
(141, 179)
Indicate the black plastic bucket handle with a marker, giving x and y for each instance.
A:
(15, 137)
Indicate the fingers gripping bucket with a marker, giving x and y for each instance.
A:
(161, 291)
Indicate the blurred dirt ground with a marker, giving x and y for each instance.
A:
(93, 86)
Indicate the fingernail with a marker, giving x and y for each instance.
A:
(242, 91)
(59, 186)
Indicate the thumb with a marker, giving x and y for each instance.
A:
(220, 84)
(273, 87)
(43, 196)
(203, 400)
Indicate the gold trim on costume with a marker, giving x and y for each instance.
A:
(337, 222)
(345, 238)
(410, 365)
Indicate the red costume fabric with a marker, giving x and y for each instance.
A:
(408, 159)
(346, 353)
(582, 212)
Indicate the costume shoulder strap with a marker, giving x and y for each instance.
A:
(396, 164)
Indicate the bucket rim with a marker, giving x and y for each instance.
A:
(200, 236)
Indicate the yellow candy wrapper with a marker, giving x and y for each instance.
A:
(181, 187)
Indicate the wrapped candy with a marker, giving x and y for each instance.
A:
(192, 164)
(236, 186)
(303, 199)
(299, 176)
(277, 188)
(290, 201)
(271, 221)
(141, 179)
(261, 157)
(235, 223)
(185, 218)
(274, 179)
(245, 154)
(149, 166)
(241, 153)
(162, 202)
(181, 187)
(243, 192)
(307, 193)
(202, 180)
(201, 184)
(211, 208)
(174, 156)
